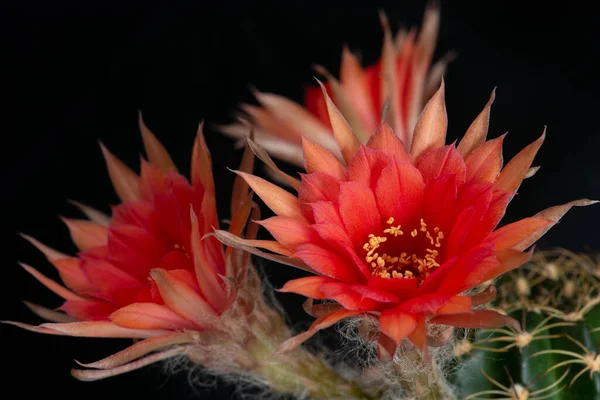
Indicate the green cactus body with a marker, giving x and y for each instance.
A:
(555, 297)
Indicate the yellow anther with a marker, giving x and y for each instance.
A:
(411, 266)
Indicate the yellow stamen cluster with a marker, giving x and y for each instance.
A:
(404, 265)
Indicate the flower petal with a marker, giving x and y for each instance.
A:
(289, 231)
(308, 286)
(276, 198)
(384, 139)
(553, 214)
(397, 324)
(182, 299)
(403, 288)
(150, 316)
(318, 159)
(321, 323)
(399, 194)
(140, 349)
(358, 211)
(515, 171)
(327, 263)
(456, 305)
(124, 180)
(86, 234)
(478, 130)
(519, 232)
(206, 273)
(94, 215)
(264, 157)
(485, 162)
(477, 319)
(430, 132)
(201, 162)
(347, 141)
(442, 160)
(52, 285)
(156, 152)
(509, 260)
(100, 329)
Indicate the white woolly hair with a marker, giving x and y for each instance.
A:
(406, 376)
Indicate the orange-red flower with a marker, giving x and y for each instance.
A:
(402, 78)
(146, 272)
(402, 232)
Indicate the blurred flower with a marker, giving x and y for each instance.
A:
(401, 80)
(400, 233)
(149, 273)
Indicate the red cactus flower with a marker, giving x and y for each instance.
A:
(402, 232)
(146, 273)
(402, 78)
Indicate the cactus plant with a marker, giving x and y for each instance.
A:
(555, 356)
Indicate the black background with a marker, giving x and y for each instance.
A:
(73, 73)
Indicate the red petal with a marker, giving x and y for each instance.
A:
(401, 287)
(182, 299)
(381, 296)
(319, 186)
(513, 234)
(337, 240)
(152, 181)
(326, 212)
(88, 310)
(441, 190)
(277, 199)
(309, 286)
(327, 263)
(456, 305)
(513, 174)
(290, 232)
(476, 319)
(485, 162)
(52, 285)
(175, 259)
(124, 180)
(135, 250)
(430, 131)
(399, 192)
(418, 337)
(156, 152)
(468, 270)
(358, 210)
(319, 159)
(206, 271)
(150, 316)
(110, 282)
(323, 322)
(344, 136)
(426, 304)
(443, 160)
(367, 165)
(386, 141)
(72, 275)
(347, 297)
(509, 259)
(86, 234)
(478, 130)
(396, 324)
(201, 169)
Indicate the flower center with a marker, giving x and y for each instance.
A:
(417, 265)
